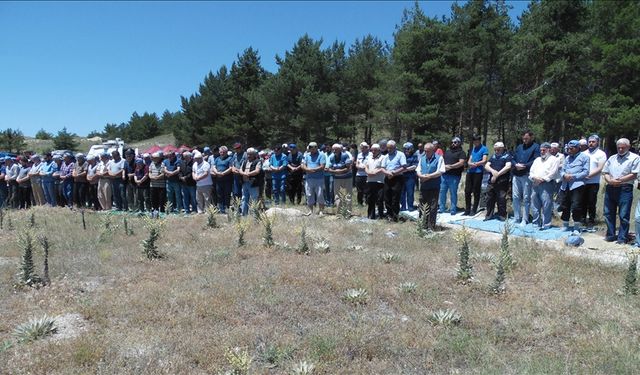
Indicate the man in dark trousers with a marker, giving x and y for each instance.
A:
(523, 158)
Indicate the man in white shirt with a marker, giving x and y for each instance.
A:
(592, 182)
(543, 174)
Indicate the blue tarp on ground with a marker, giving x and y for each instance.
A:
(531, 231)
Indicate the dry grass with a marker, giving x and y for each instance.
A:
(182, 314)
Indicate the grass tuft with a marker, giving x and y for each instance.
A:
(357, 296)
(446, 317)
(35, 329)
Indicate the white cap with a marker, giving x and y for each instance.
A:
(197, 154)
(364, 144)
(498, 145)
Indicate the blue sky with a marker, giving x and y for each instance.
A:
(81, 65)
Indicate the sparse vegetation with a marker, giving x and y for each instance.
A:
(46, 245)
(344, 204)
(303, 247)
(241, 228)
(149, 247)
(35, 329)
(408, 287)
(389, 257)
(446, 317)
(631, 278)
(357, 296)
(464, 264)
(267, 223)
(27, 274)
(212, 213)
(239, 360)
(303, 368)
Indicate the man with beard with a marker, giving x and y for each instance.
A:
(543, 174)
(294, 180)
(573, 173)
(394, 165)
(454, 159)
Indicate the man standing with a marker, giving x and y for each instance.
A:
(157, 183)
(375, 183)
(573, 173)
(394, 164)
(202, 176)
(499, 166)
(524, 156)
(597, 159)
(557, 198)
(543, 174)
(339, 166)
(12, 169)
(454, 159)
(36, 181)
(294, 180)
(251, 173)
(47, 170)
(188, 184)
(619, 172)
(116, 173)
(278, 162)
(238, 157)
(430, 170)
(478, 155)
(222, 177)
(80, 183)
(104, 182)
(174, 186)
(361, 173)
(407, 197)
(66, 176)
(313, 164)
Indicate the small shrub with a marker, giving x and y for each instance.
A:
(274, 355)
(267, 223)
(357, 296)
(505, 252)
(422, 226)
(355, 248)
(498, 286)
(239, 360)
(389, 257)
(631, 278)
(108, 228)
(344, 204)
(484, 257)
(46, 245)
(464, 265)
(367, 231)
(303, 247)
(128, 230)
(408, 287)
(149, 247)
(303, 368)
(322, 246)
(35, 329)
(27, 275)
(241, 229)
(446, 317)
(212, 212)
(255, 207)
(32, 219)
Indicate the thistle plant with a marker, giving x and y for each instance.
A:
(212, 211)
(84, 222)
(168, 206)
(408, 287)
(303, 247)
(344, 203)
(498, 285)
(267, 223)
(631, 278)
(241, 228)
(464, 265)
(46, 245)
(303, 368)
(422, 225)
(128, 230)
(35, 329)
(27, 274)
(357, 296)
(106, 223)
(446, 317)
(32, 219)
(322, 246)
(149, 247)
(389, 257)
(236, 205)
(239, 360)
(255, 208)
(485, 257)
(1, 218)
(505, 252)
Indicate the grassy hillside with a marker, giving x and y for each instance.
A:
(84, 144)
(182, 314)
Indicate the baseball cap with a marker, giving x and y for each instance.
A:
(456, 139)
(545, 145)
(293, 145)
(498, 145)
(573, 143)
(407, 145)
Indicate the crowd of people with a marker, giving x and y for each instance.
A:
(544, 180)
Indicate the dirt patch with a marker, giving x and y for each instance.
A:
(70, 326)
(6, 261)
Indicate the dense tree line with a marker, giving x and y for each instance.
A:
(568, 68)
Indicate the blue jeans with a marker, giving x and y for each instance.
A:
(118, 192)
(521, 193)
(542, 203)
(618, 198)
(249, 194)
(407, 196)
(67, 191)
(278, 185)
(449, 184)
(237, 186)
(223, 189)
(328, 190)
(189, 199)
(174, 195)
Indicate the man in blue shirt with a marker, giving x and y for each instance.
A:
(478, 155)
(313, 164)
(237, 160)
(339, 166)
(523, 158)
(47, 170)
(394, 165)
(278, 165)
(174, 185)
(407, 196)
(294, 180)
(573, 174)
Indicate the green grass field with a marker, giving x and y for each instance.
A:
(182, 314)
